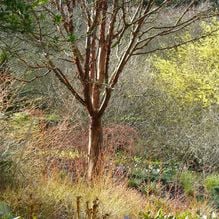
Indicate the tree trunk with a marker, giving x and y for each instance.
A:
(95, 146)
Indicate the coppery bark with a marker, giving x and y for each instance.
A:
(95, 147)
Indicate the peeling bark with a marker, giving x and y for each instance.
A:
(95, 147)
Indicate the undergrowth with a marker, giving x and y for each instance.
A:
(46, 179)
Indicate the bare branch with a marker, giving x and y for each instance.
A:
(178, 44)
(63, 79)
(32, 79)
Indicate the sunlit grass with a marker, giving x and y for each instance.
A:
(49, 196)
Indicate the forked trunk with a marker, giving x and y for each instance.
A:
(95, 146)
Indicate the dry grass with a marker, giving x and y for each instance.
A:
(51, 196)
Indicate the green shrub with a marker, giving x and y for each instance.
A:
(190, 73)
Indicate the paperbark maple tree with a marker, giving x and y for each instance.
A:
(121, 28)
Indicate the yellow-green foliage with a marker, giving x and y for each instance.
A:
(190, 73)
(211, 182)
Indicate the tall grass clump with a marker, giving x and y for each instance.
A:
(55, 197)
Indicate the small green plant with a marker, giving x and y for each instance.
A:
(3, 57)
(211, 184)
(158, 215)
(52, 118)
(20, 117)
(6, 168)
(188, 181)
(5, 211)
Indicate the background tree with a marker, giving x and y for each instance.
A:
(172, 101)
(95, 40)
